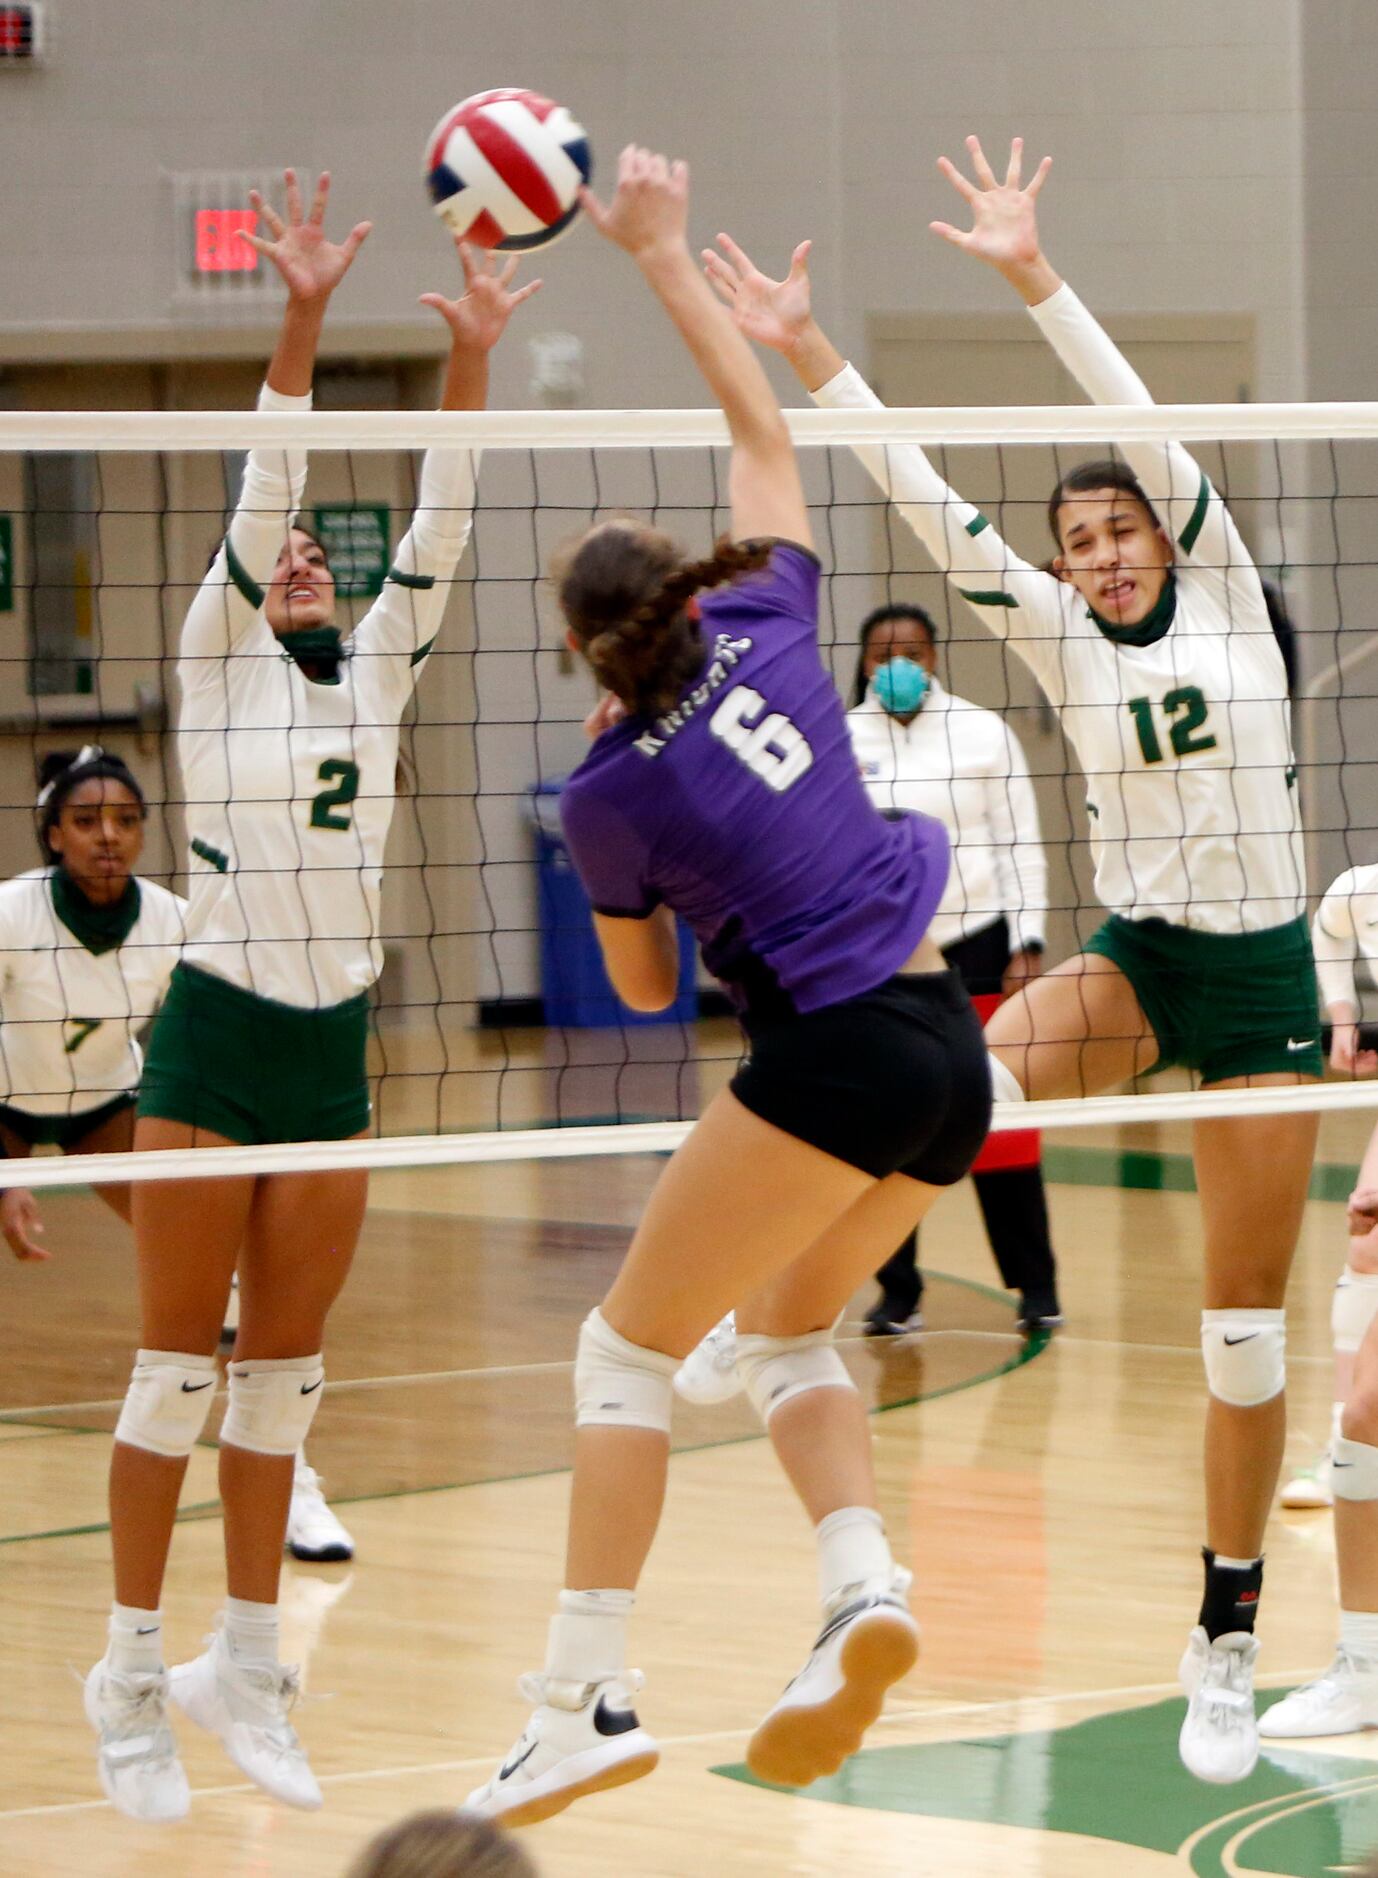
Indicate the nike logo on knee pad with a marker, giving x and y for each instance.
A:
(308, 1388)
(191, 1388)
(1247, 1338)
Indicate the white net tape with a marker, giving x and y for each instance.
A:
(1319, 502)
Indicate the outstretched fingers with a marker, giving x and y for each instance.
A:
(965, 189)
(1039, 176)
(739, 258)
(292, 189)
(985, 175)
(355, 240)
(319, 200)
(272, 221)
(721, 278)
(1016, 163)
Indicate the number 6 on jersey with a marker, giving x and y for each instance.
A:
(773, 749)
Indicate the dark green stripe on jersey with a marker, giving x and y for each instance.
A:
(994, 598)
(239, 574)
(421, 651)
(219, 861)
(977, 524)
(1186, 541)
(420, 581)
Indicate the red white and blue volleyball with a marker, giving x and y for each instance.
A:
(505, 167)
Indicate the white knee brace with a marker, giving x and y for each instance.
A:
(776, 1369)
(619, 1384)
(273, 1401)
(1354, 1470)
(1245, 1355)
(1353, 1308)
(168, 1400)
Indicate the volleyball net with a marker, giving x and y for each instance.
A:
(494, 1034)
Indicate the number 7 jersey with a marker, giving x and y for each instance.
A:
(289, 782)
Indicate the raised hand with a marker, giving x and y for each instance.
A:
(311, 267)
(775, 313)
(1004, 224)
(478, 318)
(650, 208)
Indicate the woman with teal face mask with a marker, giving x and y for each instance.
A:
(922, 748)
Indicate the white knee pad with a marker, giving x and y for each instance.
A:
(1245, 1355)
(1354, 1470)
(273, 1401)
(776, 1369)
(1353, 1308)
(619, 1384)
(168, 1400)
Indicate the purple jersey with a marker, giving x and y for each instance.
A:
(743, 810)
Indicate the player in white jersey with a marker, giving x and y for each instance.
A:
(287, 740)
(1151, 635)
(1345, 1698)
(86, 951)
(1344, 931)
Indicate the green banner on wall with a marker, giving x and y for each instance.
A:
(355, 539)
(6, 564)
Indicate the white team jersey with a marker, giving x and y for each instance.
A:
(70, 1018)
(1185, 741)
(1345, 930)
(963, 766)
(290, 783)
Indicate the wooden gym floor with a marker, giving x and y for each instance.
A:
(1049, 1502)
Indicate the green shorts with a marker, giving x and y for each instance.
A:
(256, 1071)
(63, 1130)
(1222, 1004)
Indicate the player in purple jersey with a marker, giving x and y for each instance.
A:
(722, 786)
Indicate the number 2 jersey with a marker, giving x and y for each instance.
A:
(71, 1005)
(290, 782)
(743, 810)
(1181, 724)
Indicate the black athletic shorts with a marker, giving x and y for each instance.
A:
(895, 1081)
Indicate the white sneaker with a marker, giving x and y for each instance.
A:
(1341, 1702)
(1219, 1738)
(864, 1647)
(709, 1373)
(1310, 1487)
(313, 1531)
(582, 1738)
(247, 1704)
(139, 1768)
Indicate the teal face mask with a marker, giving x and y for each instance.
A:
(900, 686)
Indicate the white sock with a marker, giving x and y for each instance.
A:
(588, 1636)
(136, 1640)
(1359, 1636)
(1004, 1082)
(853, 1554)
(251, 1631)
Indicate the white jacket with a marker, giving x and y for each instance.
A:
(963, 765)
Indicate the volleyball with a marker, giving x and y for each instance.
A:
(504, 169)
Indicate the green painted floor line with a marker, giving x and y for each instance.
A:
(1029, 1348)
(1118, 1776)
(1166, 1173)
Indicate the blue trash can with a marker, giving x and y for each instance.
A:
(575, 989)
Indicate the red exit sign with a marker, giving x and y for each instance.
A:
(220, 248)
(21, 32)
